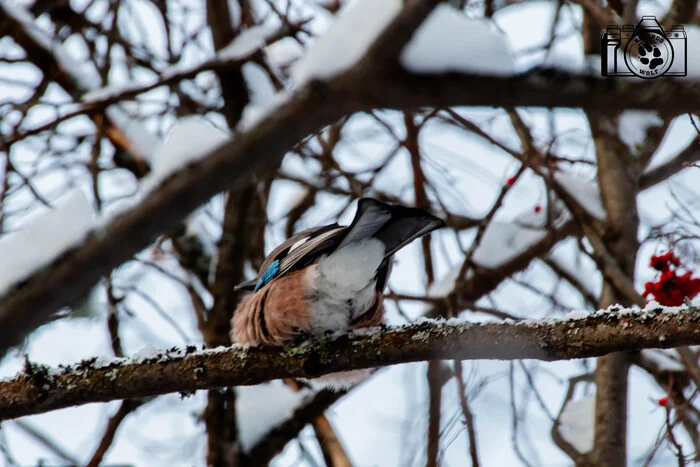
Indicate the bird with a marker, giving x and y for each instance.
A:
(328, 279)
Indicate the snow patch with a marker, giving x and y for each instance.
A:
(246, 43)
(142, 141)
(189, 141)
(503, 241)
(254, 113)
(43, 238)
(584, 192)
(577, 423)
(263, 97)
(445, 285)
(261, 90)
(147, 352)
(341, 380)
(284, 52)
(577, 314)
(500, 242)
(663, 359)
(633, 126)
(448, 41)
(357, 26)
(261, 408)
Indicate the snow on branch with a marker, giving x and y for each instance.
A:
(370, 84)
(80, 77)
(247, 46)
(189, 140)
(40, 389)
(252, 153)
(43, 238)
(451, 41)
(501, 243)
(261, 408)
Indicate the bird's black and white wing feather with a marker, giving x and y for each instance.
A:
(394, 225)
(297, 252)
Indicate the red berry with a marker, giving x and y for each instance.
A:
(510, 181)
(663, 402)
(670, 288)
(538, 208)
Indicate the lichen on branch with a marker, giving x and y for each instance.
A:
(40, 389)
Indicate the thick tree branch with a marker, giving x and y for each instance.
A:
(618, 179)
(399, 89)
(40, 389)
(689, 154)
(252, 153)
(367, 85)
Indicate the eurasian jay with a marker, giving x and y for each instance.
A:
(328, 278)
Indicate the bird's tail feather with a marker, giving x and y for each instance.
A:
(371, 216)
(406, 224)
(394, 225)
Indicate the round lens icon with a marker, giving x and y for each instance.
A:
(648, 54)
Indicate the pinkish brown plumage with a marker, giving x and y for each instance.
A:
(328, 279)
(284, 309)
(285, 312)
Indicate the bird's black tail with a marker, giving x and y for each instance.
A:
(395, 225)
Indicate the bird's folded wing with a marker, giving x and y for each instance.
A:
(311, 249)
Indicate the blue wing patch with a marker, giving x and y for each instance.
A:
(268, 275)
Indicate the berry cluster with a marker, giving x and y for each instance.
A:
(670, 289)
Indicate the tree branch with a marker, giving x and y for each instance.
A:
(220, 413)
(40, 389)
(689, 154)
(251, 154)
(110, 432)
(273, 443)
(371, 83)
(42, 52)
(397, 88)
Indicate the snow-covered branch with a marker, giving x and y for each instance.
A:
(375, 81)
(397, 88)
(579, 335)
(259, 149)
(76, 77)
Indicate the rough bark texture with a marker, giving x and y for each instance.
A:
(253, 152)
(262, 148)
(40, 389)
(618, 180)
(220, 413)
